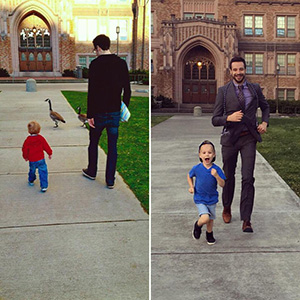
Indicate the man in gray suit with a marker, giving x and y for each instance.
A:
(235, 109)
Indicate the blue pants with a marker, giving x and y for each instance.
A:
(110, 121)
(43, 172)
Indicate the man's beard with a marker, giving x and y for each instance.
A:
(239, 81)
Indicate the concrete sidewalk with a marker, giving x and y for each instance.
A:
(79, 240)
(240, 266)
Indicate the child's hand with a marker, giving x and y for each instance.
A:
(50, 156)
(213, 172)
(191, 190)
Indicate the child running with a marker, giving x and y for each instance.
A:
(207, 175)
(33, 150)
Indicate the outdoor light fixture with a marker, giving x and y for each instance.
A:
(199, 64)
(118, 32)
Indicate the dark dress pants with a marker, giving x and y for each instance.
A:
(109, 121)
(246, 145)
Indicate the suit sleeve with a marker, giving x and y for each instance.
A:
(218, 118)
(126, 84)
(264, 105)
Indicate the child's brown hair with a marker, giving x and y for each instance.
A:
(34, 127)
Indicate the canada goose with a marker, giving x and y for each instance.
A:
(82, 117)
(54, 115)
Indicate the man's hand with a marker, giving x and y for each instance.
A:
(50, 156)
(262, 128)
(91, 122)
(191, 190)
(235, 117)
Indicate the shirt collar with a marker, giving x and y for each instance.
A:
(104, 52)
(244, 84)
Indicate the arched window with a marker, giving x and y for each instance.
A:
(195, 74)
(211, 72)
(203, 72)
(199, 69)
(31, 57)
(39, 57)
(187, 71)
(48, 57)
(34, 33)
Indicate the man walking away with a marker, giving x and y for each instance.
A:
(108, 77)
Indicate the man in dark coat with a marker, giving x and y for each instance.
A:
(108, 77)
(235, 109)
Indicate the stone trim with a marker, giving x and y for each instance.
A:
(53, 20)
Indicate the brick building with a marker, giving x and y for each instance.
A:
(44, 38)
(192, 42)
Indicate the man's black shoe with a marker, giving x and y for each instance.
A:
(86, 174)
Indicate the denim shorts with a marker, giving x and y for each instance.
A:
(207, 209)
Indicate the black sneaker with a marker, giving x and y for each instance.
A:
(87, 175)
(196, 231)
(210, 238)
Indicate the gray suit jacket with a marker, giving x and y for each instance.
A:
(227, 103)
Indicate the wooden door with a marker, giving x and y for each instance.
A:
(35, 51)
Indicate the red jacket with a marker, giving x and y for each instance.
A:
(34, 147)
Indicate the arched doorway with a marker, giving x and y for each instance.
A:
(199, 77)
(35, 51)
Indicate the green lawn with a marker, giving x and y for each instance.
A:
(133, 144)
(281, 148)
(158, 119)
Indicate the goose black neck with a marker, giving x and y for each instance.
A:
(50, 106)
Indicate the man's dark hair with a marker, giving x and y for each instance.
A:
(236, 59)
(206, 142)
(102, 41)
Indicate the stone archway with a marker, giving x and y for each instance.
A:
(51, 19)
(202, 48)
(199, 82)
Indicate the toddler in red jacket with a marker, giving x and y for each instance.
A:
(33, 151)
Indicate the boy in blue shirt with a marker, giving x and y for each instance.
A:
(208, 175)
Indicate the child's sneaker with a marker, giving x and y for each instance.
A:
(43, 190)
(196, 231)
(31, 183)
(210, 238)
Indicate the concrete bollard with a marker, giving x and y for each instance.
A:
(30, 85)
(197, 111)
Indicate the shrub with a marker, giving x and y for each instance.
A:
(85, 72)
(140, 76)
(4, 73)
(289, 107)
(166, 102)
(68, 73)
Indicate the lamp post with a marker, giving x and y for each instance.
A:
(277, 98)
(118, 32)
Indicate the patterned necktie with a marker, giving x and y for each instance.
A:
(241, 97)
